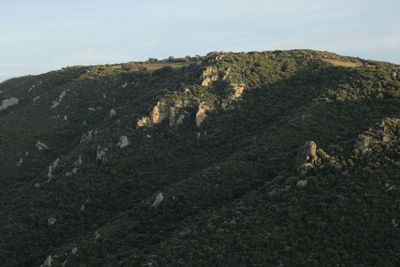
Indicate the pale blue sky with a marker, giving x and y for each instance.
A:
(41, 35)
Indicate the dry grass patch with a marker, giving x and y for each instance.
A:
(343, 63)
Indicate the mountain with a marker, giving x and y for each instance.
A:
(277, 158)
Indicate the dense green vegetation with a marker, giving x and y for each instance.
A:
(230, 191)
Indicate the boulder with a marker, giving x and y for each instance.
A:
(145, 121)
(158, 200)
(112, 113)
(302, 183)
(51, 220)
(123, 141)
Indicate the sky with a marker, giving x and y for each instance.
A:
(37, 36)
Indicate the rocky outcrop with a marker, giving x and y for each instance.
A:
(47, 262)
(51, 220)
(97, 236)
(237, 90)
(176, 116)
(100, 155)
(123, 141)
(72, 172)
(302, 183)
(6, 103)
(306, 157)
(88, 136)
(307, 153)
(226, 74)
(52, 167)
(142, 122)
(209, 75)
(158, 200)
(112, 113)
(41, 146)
(57, 102)
(202, 113)
(159, 113)
(20, 162)
(381, 135)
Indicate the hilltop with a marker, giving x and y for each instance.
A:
(276, 158)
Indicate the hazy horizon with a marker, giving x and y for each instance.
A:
(37, 37)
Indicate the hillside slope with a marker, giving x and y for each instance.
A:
(232, 159)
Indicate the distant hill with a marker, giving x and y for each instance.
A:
(277, 158)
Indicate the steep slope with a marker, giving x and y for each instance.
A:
(195, 164)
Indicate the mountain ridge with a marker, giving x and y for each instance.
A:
(138, 166)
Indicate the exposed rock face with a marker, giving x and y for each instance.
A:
(112, 113)
(145, 121)
(57, 102)
(47, 262)
(307, 153)
(302, 183)
(176, 116)
(123, 141)
(72, 172)
(97, 235)
(306, 157)
(158, 200)
(201, 113)
(41, 146)
(180, 119)
(100, 155)
(88, 136)
(52, 167)
(226, 74)
(20, 162)
(237, 90)
(209, 75)
(6, 103)
(51, 220)
(159, 113)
